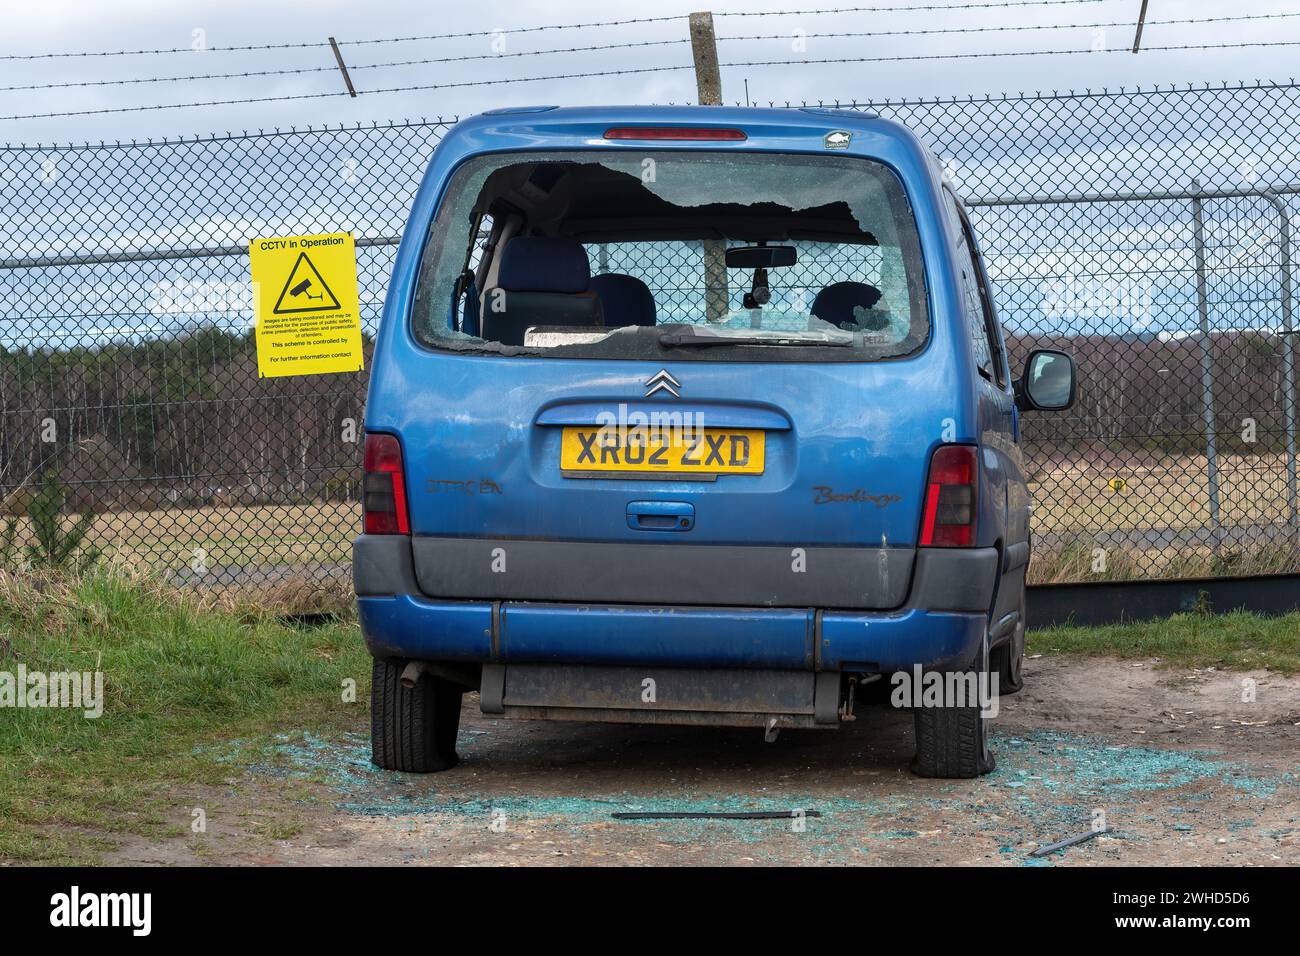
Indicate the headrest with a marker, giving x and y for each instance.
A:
(625, 300)
(544, 264)
(836, 302)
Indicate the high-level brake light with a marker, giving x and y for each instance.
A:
(688, 133)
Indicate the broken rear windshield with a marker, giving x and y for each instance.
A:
(712, 255)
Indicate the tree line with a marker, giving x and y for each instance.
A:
(186, 420)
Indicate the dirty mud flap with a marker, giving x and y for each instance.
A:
(662, 695)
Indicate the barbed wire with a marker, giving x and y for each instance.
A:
(333, 68)
(982, 5)
(651, 69)
(932, 7)
(330, 68)
(325, 43)
(315, 96)
(1015, 28)
(1011, 53)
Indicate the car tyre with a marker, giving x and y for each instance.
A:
(413, 729)
(952, 742)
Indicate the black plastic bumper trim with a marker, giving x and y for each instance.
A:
(512, 569)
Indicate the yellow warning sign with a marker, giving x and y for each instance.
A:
(305, 305)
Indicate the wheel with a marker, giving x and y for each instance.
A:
(1008, 660)
(952, 742)
(412, 729)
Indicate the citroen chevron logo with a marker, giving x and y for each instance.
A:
(662, 381)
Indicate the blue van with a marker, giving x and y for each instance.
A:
(691, 415)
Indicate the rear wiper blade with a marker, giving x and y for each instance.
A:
(674, 339)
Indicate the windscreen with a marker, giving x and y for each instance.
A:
(717, 255)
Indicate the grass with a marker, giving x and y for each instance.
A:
(198, 685)
(1235, 641)
(1161, 492)
(1076, 561)
(185, 676)
(170, 539)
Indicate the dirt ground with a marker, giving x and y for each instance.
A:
(1185, 772)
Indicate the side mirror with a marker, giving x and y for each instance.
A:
(1048, 384)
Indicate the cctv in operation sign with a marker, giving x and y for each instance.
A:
(305, 305)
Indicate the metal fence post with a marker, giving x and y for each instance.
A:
(1207, 364)
(1288, 355)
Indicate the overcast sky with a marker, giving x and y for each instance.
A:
(48, 26)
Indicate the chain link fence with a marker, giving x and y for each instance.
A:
(1149, 232)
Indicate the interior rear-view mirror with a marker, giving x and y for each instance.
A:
(760, 257)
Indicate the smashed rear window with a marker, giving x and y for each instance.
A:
(621, 254)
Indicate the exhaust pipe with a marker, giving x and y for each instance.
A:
(412, 673)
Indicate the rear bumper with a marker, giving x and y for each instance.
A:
(941, 623)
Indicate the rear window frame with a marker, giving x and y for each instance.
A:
(781, 355)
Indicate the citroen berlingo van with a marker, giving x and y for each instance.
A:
(691, 415)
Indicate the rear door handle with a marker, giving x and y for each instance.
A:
(660, 515)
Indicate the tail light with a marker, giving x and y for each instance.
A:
(950, 498)
(384, 487)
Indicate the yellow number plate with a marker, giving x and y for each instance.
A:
(632, 451)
